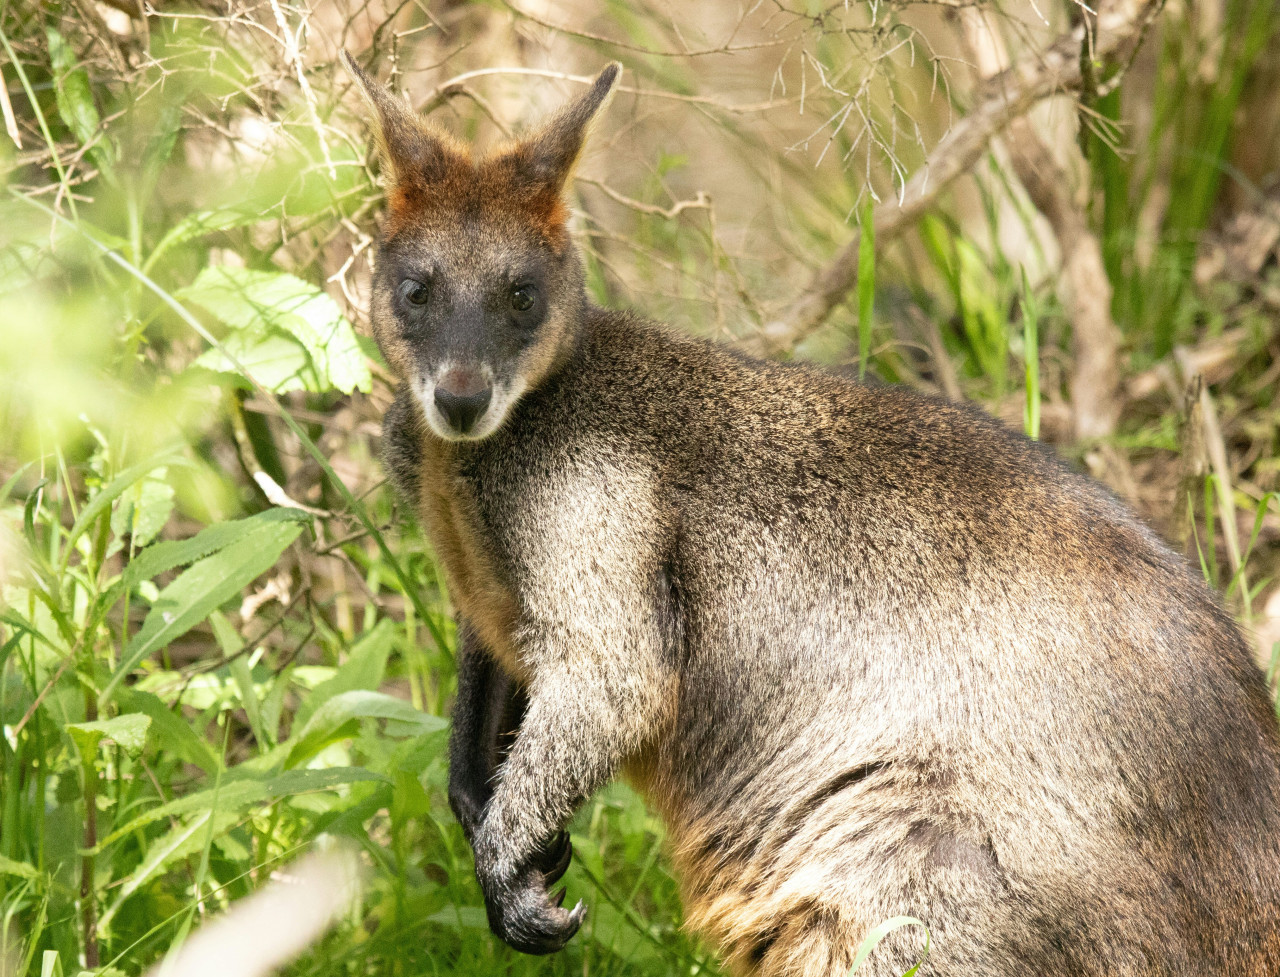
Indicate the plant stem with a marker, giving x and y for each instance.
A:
(88, 906)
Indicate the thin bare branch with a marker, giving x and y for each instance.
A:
(1004, 98)
(700, 202)
(1095, 372)
(293, 54)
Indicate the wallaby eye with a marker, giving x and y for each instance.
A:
(522, 297)
(414, 291)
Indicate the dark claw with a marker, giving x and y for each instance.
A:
(553, 860)
(557, 898)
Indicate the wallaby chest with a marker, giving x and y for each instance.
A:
(446, 502)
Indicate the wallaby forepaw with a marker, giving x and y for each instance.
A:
(529, 919)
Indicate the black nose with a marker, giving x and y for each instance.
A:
(462, 410)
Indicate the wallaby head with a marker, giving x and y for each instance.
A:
(478, 289)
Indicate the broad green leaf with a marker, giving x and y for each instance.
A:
(168, 554)
(21, 869)
(174, 733)
(410, 800)
(113, 490)
(202, 588)
(362, 803)
(335, 720)
(144, 508)
(260, 306)
(178, 842)
(289, 782)
(75, 98)
(237, 793)
(277, 361)
(128, 731)
(365, 665)
(200, 223)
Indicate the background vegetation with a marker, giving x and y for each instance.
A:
(221, 642)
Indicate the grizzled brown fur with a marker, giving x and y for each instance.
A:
(867, 653)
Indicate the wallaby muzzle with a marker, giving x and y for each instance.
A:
(462, 397)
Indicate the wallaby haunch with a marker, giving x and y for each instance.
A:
(866, 652)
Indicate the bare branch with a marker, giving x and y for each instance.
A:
(700, 202)
(293, 54)
(1004, 98)
(1095, 372)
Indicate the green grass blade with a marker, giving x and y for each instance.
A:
(331, 720)
(113, 490)
(1031, 354)
(873, 939)
(201, 589)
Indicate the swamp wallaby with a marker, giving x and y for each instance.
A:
(866, 652)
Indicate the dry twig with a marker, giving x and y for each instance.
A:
(1216, 449)
(1095, 376)
(700, 201)
(1004, 98)
(443, 91)
(728, 47)
(293, 54)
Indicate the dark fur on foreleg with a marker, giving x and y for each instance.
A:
(579, 725)
(487, 715)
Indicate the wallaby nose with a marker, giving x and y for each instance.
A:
(462, 397)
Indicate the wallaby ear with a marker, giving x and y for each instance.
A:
(548, 155)
(412, 149)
